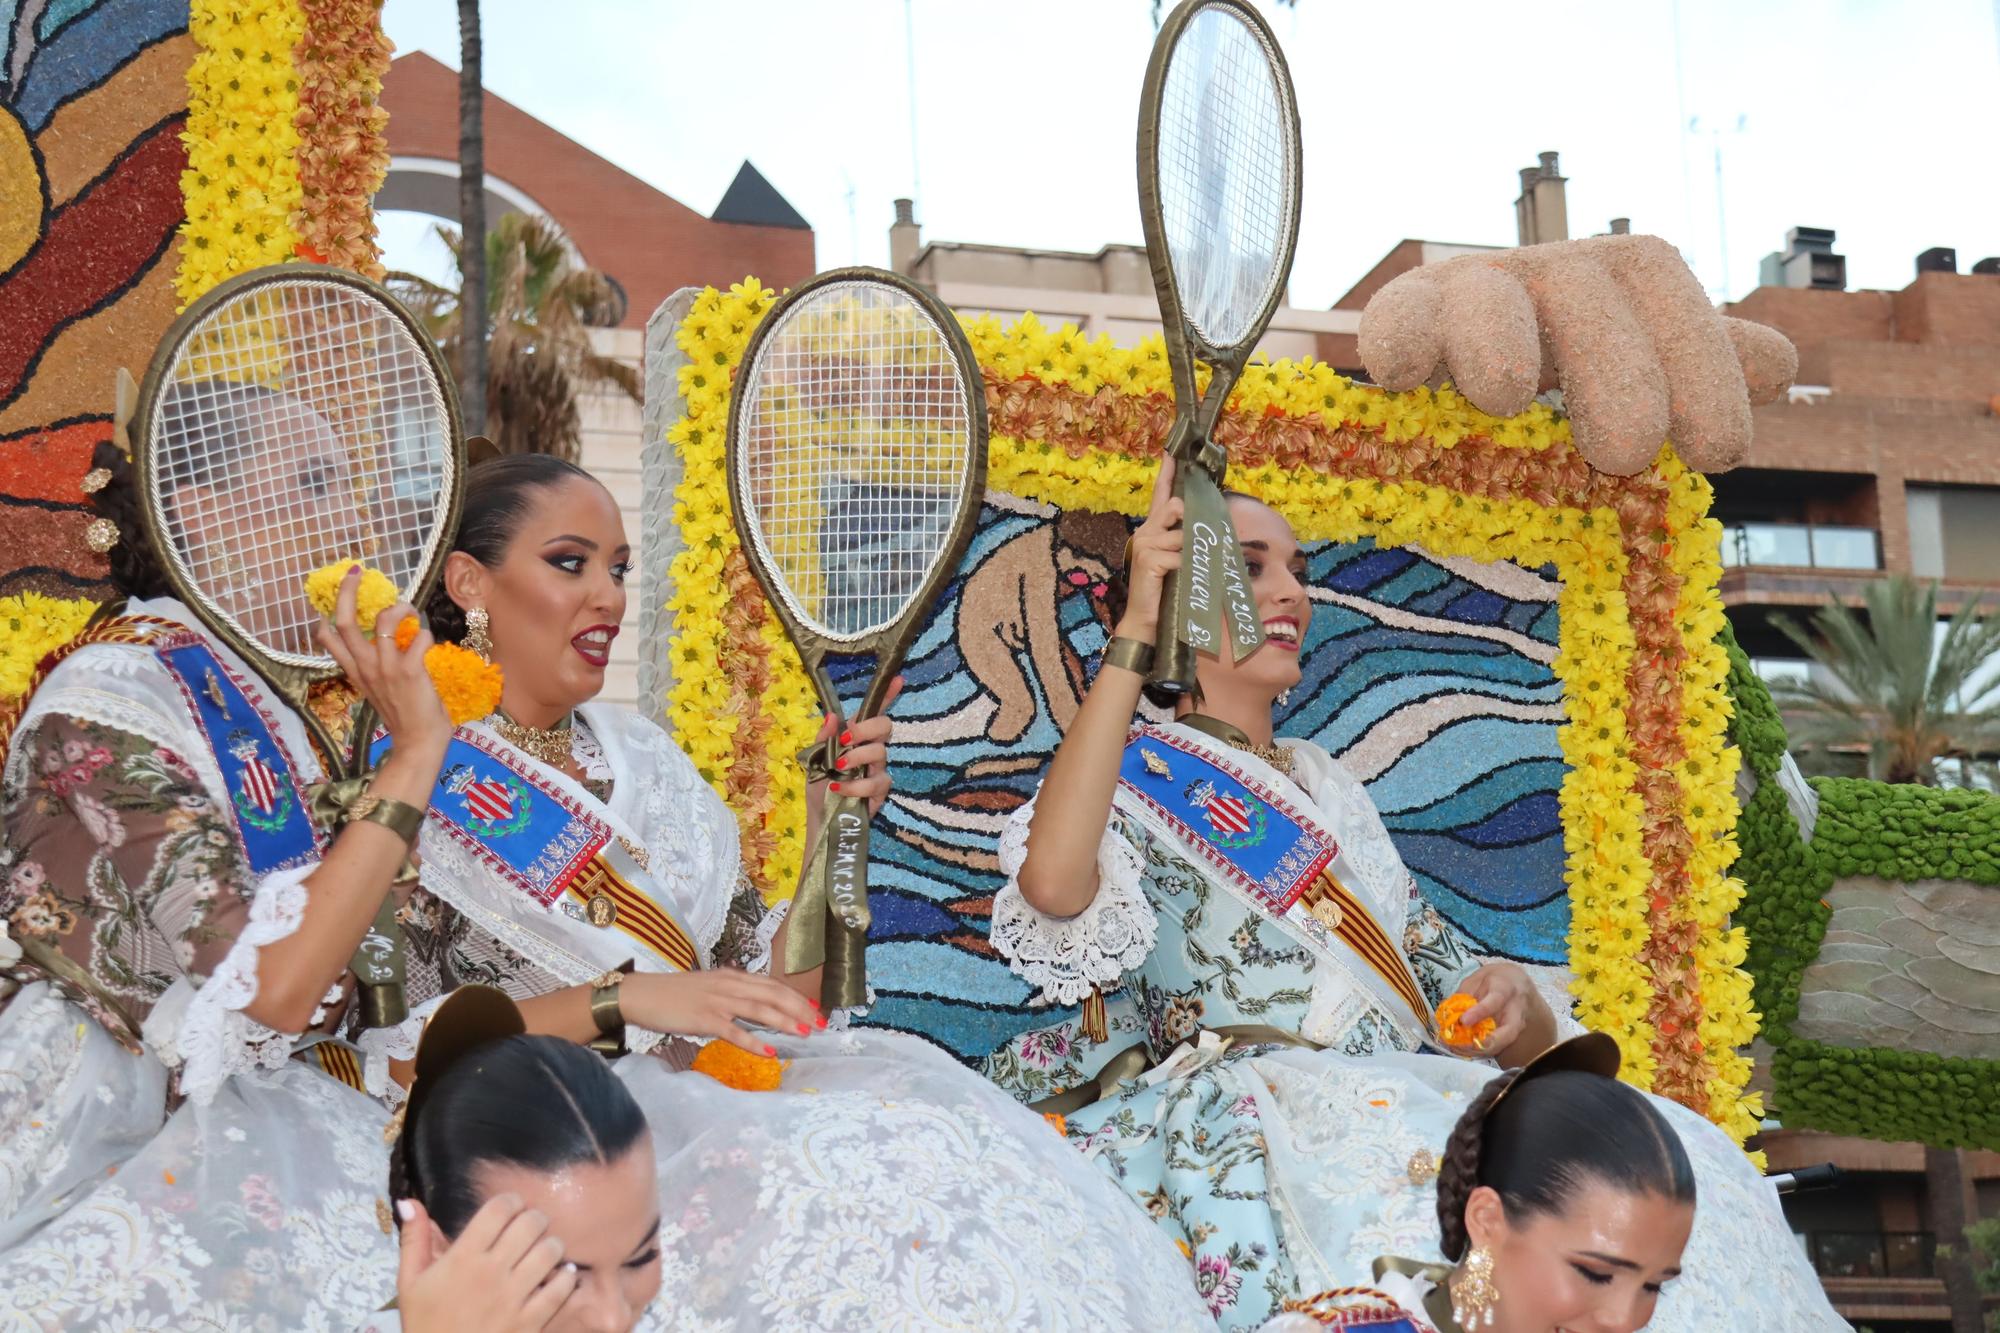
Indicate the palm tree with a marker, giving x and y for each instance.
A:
(471, 354)
(541, 304)
(1892, 687)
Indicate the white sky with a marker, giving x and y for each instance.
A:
(1879, 118)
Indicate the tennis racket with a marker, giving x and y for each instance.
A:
(857, 460)
(292, 417)
(1219, 189)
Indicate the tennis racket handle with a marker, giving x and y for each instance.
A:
(378, 966)
(844, 983)
(1173, 660)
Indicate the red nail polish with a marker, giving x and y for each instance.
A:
(353, 569)
(804, 1030)
(840, 762)
(833, 786)
(847, 738)
(822, 1022)
(770, 1050)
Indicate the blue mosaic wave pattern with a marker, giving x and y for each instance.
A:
(1431, 681)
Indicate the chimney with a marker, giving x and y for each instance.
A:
(1621, 226)
(905, 238)
(1807, 260)
(1989, 268)
(1937, 259)
(1542, 213)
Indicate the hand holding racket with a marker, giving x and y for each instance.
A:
(293, 417)
(1219, 191)
(857, 459)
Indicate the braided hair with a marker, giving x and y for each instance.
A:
(536, 1102)
(226, 416)
(1554, 1134)
(499, 492)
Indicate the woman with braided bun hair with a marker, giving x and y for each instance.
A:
(1564, 1201)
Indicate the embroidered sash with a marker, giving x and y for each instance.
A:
(1258, 839)
(537, 839)
(271, 819)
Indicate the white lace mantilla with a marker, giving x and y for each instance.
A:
(1066, 958)
(203, 1030)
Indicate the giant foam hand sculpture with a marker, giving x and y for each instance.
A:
(1618, 323)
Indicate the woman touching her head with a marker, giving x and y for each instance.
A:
(526, 1190)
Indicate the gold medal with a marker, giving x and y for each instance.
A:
(600, 911)
(1328, 913)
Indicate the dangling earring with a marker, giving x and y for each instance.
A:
(1284, 698)
(476, 639)
(1473, 1298)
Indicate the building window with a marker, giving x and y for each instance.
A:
(1800, 545)
(1954, 532)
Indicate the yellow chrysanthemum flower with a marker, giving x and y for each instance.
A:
(375, 595)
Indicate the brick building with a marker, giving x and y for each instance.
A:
(1884, 458)
(647, 242)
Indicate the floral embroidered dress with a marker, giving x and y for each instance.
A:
(164, 1161)
(1272, 1137)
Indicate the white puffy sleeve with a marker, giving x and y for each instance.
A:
(1066, 958)
(203, 1030)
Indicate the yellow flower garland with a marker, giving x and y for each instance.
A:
(1609, 877)
(242, 177)
(31, 627)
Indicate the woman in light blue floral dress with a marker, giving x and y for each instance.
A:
(1270, 1086)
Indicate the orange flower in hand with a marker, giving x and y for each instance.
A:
(1452, 1032)
(468, 685)
(734, 1067)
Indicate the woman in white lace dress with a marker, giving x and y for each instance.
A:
(883, 1185)
(168, 1163)
(175, 922)
(1261, 1088)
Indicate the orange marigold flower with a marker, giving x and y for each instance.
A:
(734, 1067)
(468, 684)
(1452, 1032)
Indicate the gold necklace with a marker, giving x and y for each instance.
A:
(550, 745)
(1277, 756)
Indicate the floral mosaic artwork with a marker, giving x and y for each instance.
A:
(1481, 592)
(156, 148)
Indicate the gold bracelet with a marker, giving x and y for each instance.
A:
(606, 1013)
(1129, 654)
(399, 817)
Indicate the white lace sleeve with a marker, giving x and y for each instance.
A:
(202, 1030)
(379, 1046)
(1066, 958)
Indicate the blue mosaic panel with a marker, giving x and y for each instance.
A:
(1430, 679)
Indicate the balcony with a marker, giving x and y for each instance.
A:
(1797, 564)
(1881, 1275)
(1800, 546)
(1872, 1254)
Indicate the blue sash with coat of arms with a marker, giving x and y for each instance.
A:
(271, 819)
(1243, 833)
(530, 833)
